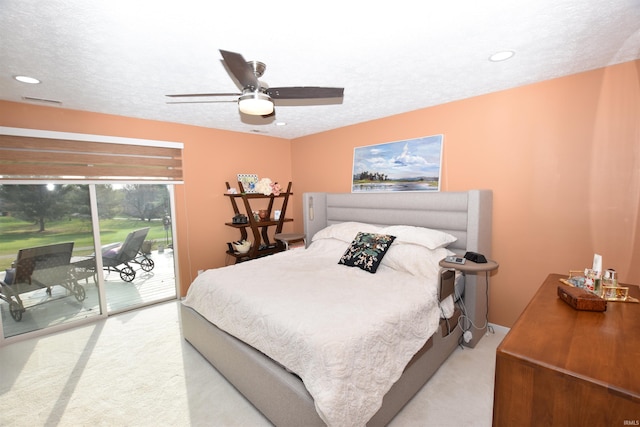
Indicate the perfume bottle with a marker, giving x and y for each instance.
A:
(591, 280)
(610, 278)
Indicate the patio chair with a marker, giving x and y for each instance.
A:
(118, 257)
(39, 268)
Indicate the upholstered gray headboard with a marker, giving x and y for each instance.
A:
(466, 215)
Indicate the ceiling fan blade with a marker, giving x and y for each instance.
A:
(240, 69)
(200, 102)
(185, 95)
(305, 92)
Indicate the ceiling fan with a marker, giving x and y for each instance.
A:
(256, 98)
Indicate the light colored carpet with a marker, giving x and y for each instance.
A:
(135, 369)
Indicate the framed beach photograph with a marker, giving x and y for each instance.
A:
(410, 165)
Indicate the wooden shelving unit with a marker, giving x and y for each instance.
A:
(259, 230)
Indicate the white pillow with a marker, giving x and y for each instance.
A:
(345, 231)
(415, 259)
(331, 248)
(427, 237)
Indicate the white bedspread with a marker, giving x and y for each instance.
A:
(347, 333)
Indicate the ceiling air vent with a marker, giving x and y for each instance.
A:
(46, 101)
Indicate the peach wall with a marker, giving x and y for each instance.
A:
(562, 158)
(210, 158)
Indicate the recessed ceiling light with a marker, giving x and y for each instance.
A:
(501, 56)
(27, 79)
(281, 123)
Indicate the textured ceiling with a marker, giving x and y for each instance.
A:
(122, 56)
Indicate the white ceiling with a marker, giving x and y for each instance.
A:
(122, 56)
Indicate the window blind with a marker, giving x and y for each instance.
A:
(27, 154)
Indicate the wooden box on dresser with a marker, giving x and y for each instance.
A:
(559, 366)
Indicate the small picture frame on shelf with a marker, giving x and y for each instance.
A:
(248, 181)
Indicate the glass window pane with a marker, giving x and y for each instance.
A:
(47, 266)
(137, 244)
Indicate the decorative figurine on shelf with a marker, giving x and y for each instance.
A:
(276, 189)
(240, 219)
(263, 214)
(241, 246)
(268, 187)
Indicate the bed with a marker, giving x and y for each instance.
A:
(291, 390)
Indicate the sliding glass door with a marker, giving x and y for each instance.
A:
(47, 267)
(136, 244)
(71, 252)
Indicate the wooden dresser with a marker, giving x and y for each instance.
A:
(558, 366)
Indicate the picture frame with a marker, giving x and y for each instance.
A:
(248, 181)
(408, 165)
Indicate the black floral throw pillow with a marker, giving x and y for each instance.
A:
(366, 251)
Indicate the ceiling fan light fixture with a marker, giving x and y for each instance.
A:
(255, 104)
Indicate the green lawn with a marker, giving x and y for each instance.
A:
(16, 234)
